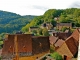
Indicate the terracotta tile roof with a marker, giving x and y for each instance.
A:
(59, 43)
(24, 41)
(62, 35)
(73, 42)
(58, 38)
(8, 45)
(40, 44)
(52, 39)
(26, 44)
(75, 34)
(72, 45)
(68, 48)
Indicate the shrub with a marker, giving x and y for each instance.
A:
(56, 56)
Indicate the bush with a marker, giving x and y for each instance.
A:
(64, 28)
(45, 32)
(56, 56)
(44, 58)
(0, 57)
(52, 49)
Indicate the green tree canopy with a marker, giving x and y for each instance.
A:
(45, 32)
(56, 56)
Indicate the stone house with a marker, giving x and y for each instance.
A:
(59, 36)
(70, 47)
(33, 28)
(47, 25)
(59, 26)
(58, 39)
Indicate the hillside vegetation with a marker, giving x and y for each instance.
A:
(71, 15)
(11, 22)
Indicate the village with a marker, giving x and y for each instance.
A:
(22, 46)
(39, 29)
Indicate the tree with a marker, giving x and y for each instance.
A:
(34, 32)
(39, 31)
(53, 22)
(64, 28)
(62, 19)
(71, 15)
(25, 28)
(45, 32)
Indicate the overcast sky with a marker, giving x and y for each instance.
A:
(36, 7)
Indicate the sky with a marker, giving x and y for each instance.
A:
(36, 7)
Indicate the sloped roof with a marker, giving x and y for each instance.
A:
(24, 43)
(58, 38)
(72, 45)
(75, 34)
(40, 44)
(64, 24)
(59, 43)
(62, 35)
(73, 41)
(52, 39)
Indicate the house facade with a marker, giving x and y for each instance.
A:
(61, 25)
(47, 25)
(31, 29)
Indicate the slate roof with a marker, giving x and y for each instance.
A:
(64, 24)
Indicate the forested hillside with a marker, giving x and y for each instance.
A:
(11, 22)
(71, 15)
